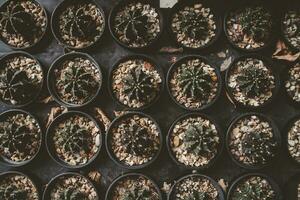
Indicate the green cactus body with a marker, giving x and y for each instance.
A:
(137, 193)
(197, 195)
(72, 194)
(11, 192)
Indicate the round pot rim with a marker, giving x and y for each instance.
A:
(220, 134)
(131, 174)
(118, 41)
(174, 66)
(267, 44)
(217, 18)
(276, 134)
(41, 84)
(55, 179)
(157, 68)
(41, 37)
(15, 172)
(48, 141)
(269, 65)
(56, 14)
(270, 180)
(108, 145)
(56, 64)
(11, 163)
(211, 180)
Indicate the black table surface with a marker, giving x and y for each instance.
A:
(164, 111)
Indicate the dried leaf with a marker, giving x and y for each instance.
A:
(55, 111)
(166, 187)
(226, 63)
(221, 54)
(282, 52)
(102, 117)
(95, 176)
(171, 50)
(46, 100)
(119, 113)
(223, 184)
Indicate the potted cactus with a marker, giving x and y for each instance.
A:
(20, 137)
(290, 28)
(254, 186)
(17, 186)
(194, 25)
(22, 23)
(73, 139)
(135, 24)
(249, 27)
(292, 83)
(78, 24)
(136, 82)
(193, 83)
(253, 140)
(74, 79)
(194, 141)
(196, 186)
(134, 140)
(293, 138)
(133, 186)
(251, 82)
(21, 79)
(70, 186)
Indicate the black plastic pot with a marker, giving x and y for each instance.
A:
(119, 6)
(284, 78)
(269, 65)
(50, 145)
(9, 173)
(53, 181)
(133, 57)
(276, 133)
(290, 189)
(42, 36)
(109, 192)
(178, 63)
(11, 163)
(217, 18)
(51, 78)
(241, 5)
(286, 130)
(55, 19)
(38, 91)
(108, 137)
(273, 184)
(220, 147)
(172, 192)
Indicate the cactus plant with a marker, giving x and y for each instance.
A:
(197, 195)
(137, 140)
(138, 85)
(253, 81)
(195, 82)
(199, 139)
(11, 192)
(255, 22)
(137, 193)
(72, 193)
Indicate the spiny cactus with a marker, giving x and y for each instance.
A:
(136, 140)
(73, 138)
(138, 85)
(256, 22)
(258, 147)
(16, 20)
(137, 193)
(11, 192)
(15, 86)
(197, 195)
(195, 82)
(133, 24)
(15, 137)
(253, 81)
(199, 139)
(72, 193)
(77, 82)
(194, 24)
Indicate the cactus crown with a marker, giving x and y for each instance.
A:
(253, 81)
(137, 193)
(72, 193)
(15, 86)
(138, 85)
(258, 147)
(11, 192)
(256, 22)
(197, 195)
(199, 139)
(137, 141)
(195, 82)
(79, 23)
(16, 20)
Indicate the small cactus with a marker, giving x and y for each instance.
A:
(72, 194)
(11, 192)
(197, 195)
(137, 193)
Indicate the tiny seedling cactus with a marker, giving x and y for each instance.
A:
(72, 194)
(197, 195)
(137, 193)
(11, 192)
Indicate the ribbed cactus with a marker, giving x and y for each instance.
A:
(72, 193)
(137, 193)
(11, 192)
(197, 195)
